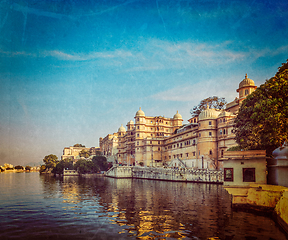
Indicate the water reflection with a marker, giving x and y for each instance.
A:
(144, 209)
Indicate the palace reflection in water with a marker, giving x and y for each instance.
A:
(146, 209)
(43, 207)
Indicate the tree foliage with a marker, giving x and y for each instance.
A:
(78, 145)
(86, 166)
(27, 168)
(212, 102)
(84, 153)
(262, 121)
(18, 167)
(98, 163)
(234, 148)
(50, 160)
(101, 162)
(63, 164)
(99, 153)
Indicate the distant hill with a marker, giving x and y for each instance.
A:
(33, 164)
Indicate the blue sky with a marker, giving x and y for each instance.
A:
(73, 71)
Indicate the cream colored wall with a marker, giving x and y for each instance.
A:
(238, 165)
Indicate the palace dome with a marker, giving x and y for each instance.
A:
(130, 123)
(281, 153)
(246, 82)
(208, 113)
(121, 129)
(177, 116)
(140, 113)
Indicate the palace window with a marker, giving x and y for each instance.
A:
(210, 152)
(222, 153)
(187, 155)
(246, 91)
(194, 153)
(210, 133)
(224, 131)
(137, 127)
(220, 132)
(210, 123)
(199, 134)
(248, 174)
(224, 120)
(220, 121)
(138, 135)
(228, 174)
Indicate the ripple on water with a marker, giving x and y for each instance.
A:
(101, 208)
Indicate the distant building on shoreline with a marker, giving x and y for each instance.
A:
(156, 141)
(74, 152)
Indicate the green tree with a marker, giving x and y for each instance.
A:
(78, 145)
(18, 167)
(42, 168)
(28, 168)
(262, 121)
(212, 102)
(63, 164)
(50, 160)
(235, 148)
(85, 166)
(84, 153)
(99, 153)
(100, 162)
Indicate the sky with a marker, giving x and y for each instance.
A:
(72, 71)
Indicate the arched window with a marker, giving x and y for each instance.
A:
(246, 91)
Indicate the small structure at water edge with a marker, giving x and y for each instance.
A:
(70, 173)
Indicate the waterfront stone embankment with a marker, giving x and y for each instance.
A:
(262, 197)
(167, 174)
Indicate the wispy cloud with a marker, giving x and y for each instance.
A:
(200, 90)
(158, 55)
(84, 57)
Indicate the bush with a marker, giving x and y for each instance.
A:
(235, 148)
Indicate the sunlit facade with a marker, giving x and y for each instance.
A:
(156, 141)
(73, 152)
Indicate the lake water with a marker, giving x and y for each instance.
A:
(34, 206)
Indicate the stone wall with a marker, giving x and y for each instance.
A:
(168, 174)
(264, 197)
(119, 172)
